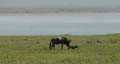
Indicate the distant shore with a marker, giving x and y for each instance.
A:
(57, 10)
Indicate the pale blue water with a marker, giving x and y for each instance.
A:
(44, 24)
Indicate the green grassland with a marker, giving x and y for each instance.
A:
(98, 49)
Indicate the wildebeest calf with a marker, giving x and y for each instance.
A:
(73, 47)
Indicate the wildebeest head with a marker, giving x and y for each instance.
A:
(73, 47)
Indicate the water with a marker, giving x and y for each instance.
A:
(61, 3)
(67, 23)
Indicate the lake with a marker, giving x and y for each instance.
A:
(61, 23)
(69, 4)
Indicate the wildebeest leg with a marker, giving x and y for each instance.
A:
(50, 45)
(61, 46)
(53, 46)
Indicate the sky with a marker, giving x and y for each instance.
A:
(61, 3)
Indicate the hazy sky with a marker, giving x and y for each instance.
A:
(60, 3)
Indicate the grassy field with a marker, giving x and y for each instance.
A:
(98, 49)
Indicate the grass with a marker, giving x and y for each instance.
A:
(34, 50)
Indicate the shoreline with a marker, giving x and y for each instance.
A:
(56, 10)
(60, 13)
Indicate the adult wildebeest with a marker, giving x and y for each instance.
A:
(59, 40)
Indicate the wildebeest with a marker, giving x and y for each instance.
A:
(59, 40)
